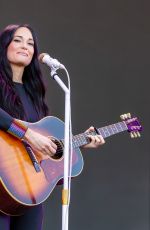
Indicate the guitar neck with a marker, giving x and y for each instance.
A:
(106, 131)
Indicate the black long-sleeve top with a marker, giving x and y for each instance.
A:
(29, 108)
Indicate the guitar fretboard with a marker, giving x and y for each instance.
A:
(82, 139)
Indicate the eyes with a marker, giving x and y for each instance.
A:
(17, 40)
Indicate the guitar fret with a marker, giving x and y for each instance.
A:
(119, 127)
(101, 132)
(75, 142)
(111, 131)
(105, 130)
(79, 140)
(125, 127)
(108, 131)
(115, 128)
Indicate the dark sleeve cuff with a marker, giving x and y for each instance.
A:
(5, 120)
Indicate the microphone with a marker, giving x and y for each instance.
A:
(50, 62)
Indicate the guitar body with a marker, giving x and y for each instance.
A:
(21, 187)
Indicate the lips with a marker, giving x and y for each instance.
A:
(23, 54)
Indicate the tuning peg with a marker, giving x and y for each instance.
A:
(129, 115)
(131, 135)
(135, 134)
(122, 117)
(126, 116)
(138, 134)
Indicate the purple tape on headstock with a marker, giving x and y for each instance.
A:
(133, 124)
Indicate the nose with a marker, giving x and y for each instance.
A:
(24, 45)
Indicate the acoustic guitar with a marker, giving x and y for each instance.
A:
(26, 180)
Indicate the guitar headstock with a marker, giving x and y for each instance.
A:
(133, 125)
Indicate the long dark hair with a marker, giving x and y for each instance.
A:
(32, 78)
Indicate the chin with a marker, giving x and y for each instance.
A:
(23, 63)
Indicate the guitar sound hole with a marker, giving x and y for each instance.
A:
(59, 152)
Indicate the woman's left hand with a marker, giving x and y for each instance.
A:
(95, 141)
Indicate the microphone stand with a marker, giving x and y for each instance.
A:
(65, 191)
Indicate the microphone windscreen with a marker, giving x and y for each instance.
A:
(40, 57)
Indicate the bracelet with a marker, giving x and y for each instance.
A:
(17, 129)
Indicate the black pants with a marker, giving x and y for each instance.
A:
(31, 220)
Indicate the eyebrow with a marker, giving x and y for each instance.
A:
(22, 37)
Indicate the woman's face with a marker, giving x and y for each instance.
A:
(21, 49)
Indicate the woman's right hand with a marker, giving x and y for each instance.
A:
(40, 143)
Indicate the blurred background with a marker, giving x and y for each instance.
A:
(105, 45)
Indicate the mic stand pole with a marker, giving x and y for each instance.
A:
(65, 191)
